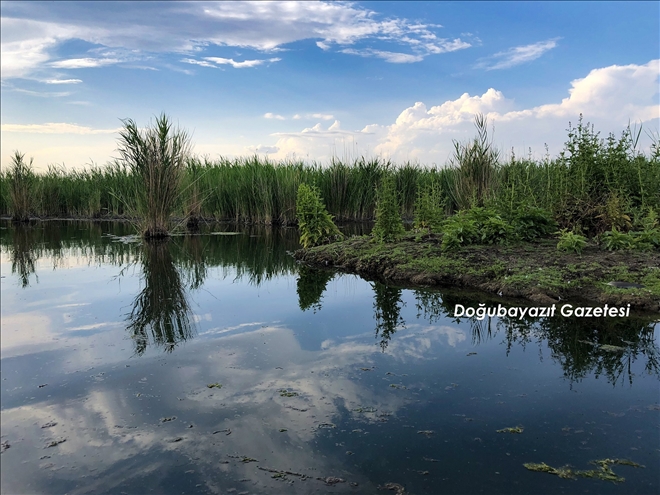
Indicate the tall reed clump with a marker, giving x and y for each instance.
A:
(475, 177)
(157, 156)
(21, 180)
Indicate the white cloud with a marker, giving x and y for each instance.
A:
(202, 63)
(263, 149)
(55, 128)
(392, 57)
(239, 65)
(608, 97)
(270, 115)
(63, 81)
(517, 55)
(31, 35)
(84, 63)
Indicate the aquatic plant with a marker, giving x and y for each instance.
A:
(314, 222)
(157, 156)
(21, 180)
(389, 226)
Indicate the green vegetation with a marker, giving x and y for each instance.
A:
(389, 226)
(157, 156)
(570, 241)
(593, 186)
(20, 179)
(314, 222)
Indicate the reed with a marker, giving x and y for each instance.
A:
(592, 186)
(157, 156)
(21, 180)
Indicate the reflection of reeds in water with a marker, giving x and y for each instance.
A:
(387, 309)
(161, 313)
(23, 257)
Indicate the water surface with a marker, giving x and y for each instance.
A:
(215, 364)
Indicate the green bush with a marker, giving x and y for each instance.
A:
(476, 226)
(428, 210)
(570, 241)
(389, 226)
(314, 222)
(615, 240)
(531, 223)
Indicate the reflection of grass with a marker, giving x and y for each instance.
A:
(23, 256)
(161, 310)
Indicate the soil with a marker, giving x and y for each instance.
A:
(533, 270)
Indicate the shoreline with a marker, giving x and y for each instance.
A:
(536, 271)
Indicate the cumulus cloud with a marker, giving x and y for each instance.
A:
(30, 34)
(608, 97)
(55, 128)
(517, 55)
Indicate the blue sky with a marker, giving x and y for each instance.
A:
(313, 80)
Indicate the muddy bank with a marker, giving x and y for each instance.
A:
(536, 271)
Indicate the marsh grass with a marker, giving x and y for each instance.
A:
(592, 186)
(157, 156)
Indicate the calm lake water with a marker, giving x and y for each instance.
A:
(215, 364)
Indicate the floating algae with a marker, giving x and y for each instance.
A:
(514, 429)
(562, 472)
(214, 385)
(604, 472)
(285, 393)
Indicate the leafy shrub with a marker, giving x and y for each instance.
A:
(615, 240)
(314, 222)
(475, 226)
(531, 222)
(388, 227)
(570, 241)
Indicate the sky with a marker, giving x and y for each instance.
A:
(314, 80)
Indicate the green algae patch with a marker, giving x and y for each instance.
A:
(285, 393)
(512, 429)
(603, 472)
(562, 472)
(214, 385)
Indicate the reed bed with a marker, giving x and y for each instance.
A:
(591, 183)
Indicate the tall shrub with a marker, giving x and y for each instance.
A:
(157, 156)
(314, 221)
(389, 226)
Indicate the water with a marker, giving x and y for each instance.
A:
(109, 347)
